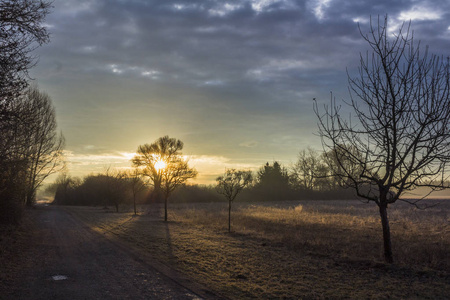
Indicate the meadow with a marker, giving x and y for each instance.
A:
(293, 249)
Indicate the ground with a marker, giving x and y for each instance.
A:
(55, 256)
(292, 250)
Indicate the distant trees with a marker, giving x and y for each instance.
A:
(65, 188)
(231, 184)
(111, 188)
(309, 171)
(399, 136)
(272, 181)
(163, 164)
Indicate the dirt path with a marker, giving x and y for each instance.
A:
(64, 259)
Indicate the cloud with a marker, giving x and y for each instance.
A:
(218, 75)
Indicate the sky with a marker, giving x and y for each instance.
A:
(234, 80)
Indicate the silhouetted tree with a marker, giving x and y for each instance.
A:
(231, 184)
(22, 30)
(309, 172)
(136, 183)
(65, 186)
(115, 187)
(45, 145)
(400, 126)
(272, 181)
(152, 156)
(163, 163)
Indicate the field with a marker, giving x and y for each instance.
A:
(303, 249)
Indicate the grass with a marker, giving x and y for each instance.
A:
(298, 250)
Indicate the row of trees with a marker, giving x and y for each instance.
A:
(30, 147)
(112, 188)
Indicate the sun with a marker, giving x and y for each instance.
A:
(159, 165)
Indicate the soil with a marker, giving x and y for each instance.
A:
(53, 255)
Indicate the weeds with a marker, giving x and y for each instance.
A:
(294, 249)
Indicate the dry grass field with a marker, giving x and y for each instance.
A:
(293, 250)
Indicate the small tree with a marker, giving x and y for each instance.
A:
(399, 136)
(136, 183)
(231, 184)
(163, 163)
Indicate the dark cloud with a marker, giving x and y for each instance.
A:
(218, 74)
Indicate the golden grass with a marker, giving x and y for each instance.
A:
(293, 250)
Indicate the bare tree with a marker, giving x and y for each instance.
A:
(153, 156)
(22, 32)
(136, 183)
(231, 184)
(45, 151)
(164, 165)
(400, 124)
(307, 169)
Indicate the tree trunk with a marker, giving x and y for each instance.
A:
(386, 233)
(134, 204)
(165, 209)
(229, 216)
(30, 198)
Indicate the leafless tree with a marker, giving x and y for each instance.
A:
(307, 170)
(231, 184)
(22, 31)
(163, 163)
(136, 183)
(153, 156)
(400, 122)
(45, 150)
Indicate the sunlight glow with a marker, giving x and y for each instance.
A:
(159, 165)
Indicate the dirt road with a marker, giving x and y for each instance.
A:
(64, 259)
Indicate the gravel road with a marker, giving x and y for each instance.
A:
(70, 261)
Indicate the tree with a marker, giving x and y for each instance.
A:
(114, 187)
(45, 151)
(400, 124)
(163, 163)
(309, 171)
(136, 183)
(231, 184)
(152, 157)
(22, 32)
(64, 187)
(273, 182)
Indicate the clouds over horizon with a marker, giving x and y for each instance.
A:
(233, 79)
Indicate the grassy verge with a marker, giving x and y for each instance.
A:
(292, 250)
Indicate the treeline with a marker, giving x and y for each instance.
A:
(111, 188)
(30, 147)
(309, 178)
